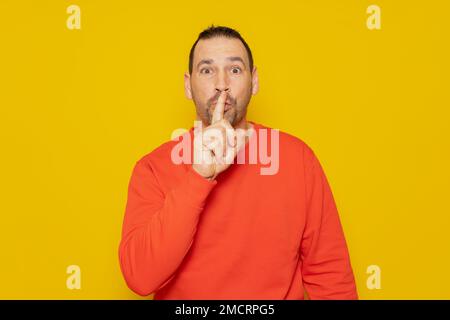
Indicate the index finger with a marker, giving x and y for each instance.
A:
(220, 106)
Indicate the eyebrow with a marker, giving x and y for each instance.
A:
(210, 61)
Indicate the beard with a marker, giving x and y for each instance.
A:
(231, 115)
(205, 110)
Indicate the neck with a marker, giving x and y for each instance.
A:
(245, 125)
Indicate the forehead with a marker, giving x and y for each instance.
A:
(219, 48)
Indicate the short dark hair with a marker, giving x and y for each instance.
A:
(219, 31)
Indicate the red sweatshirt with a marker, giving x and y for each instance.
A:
(244, 235)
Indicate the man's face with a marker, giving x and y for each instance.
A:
(221, 64)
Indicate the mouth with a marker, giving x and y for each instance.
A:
(227, 106)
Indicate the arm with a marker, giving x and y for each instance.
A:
(326, 269)
(158, 229)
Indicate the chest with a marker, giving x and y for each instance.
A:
(250, 208)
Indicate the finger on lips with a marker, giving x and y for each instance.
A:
(220, 106)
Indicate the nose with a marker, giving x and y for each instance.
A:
(222, 82)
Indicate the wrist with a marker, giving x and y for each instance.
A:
(204, 175)
(211, 178)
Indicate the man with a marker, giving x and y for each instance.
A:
(212, 228)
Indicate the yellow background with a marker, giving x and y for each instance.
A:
(79, 107)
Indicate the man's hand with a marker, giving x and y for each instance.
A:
(217, 146)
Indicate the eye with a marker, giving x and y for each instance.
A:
(205, 70)
(236, 70)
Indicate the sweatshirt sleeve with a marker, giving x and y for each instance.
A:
(158, 229)
(326, 268)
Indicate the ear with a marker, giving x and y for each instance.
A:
(187, 85)
(255, 81)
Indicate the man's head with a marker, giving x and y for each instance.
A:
(220, 60)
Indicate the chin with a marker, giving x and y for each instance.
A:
(231, 119)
